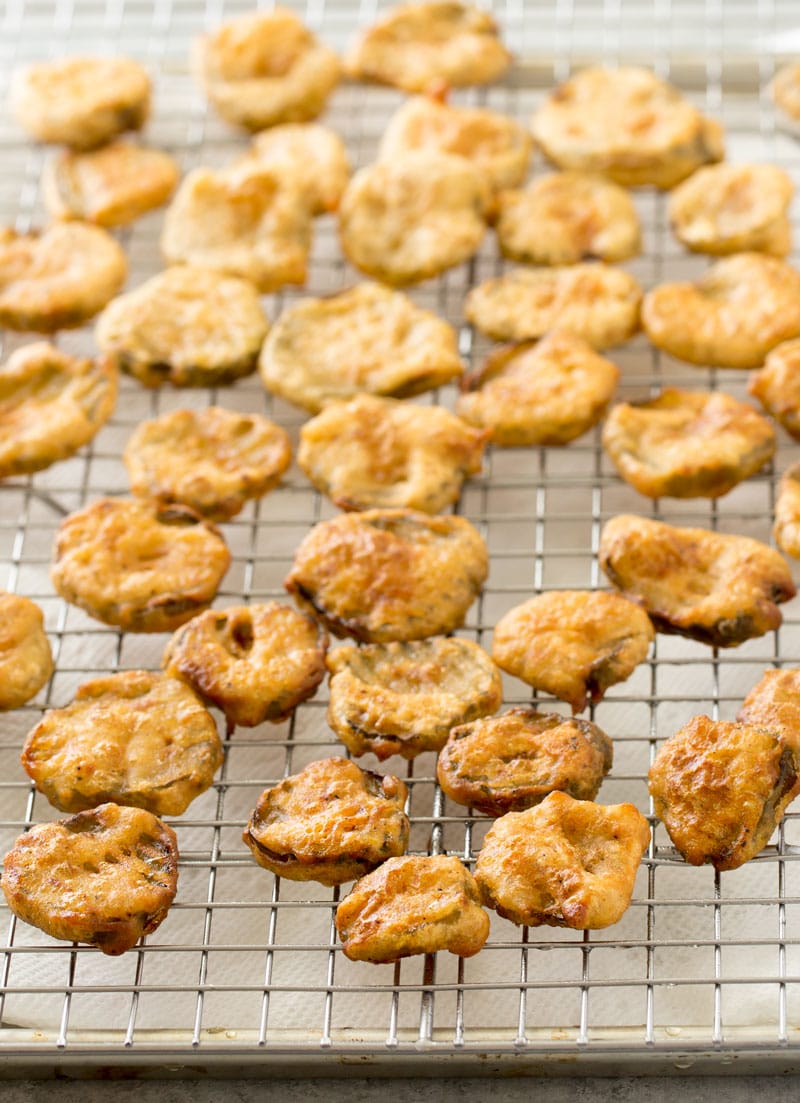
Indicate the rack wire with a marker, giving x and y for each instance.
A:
(246, 969)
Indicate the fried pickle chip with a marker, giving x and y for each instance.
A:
(403, 698)
(627, 124)
(333, 822)
(777, 386)
(389, 574)
(132, 738)
(774, 703)
(563, 863)
(573, 644)
(365, 339)
(785, 89)
(787, 512)
(408, 219)
(264, 68)
(687, 444)
(568, 217)
(138, 565)
(212, 460)
(738, 310)
(111, 186)
(80, 102)
(593, 301)
(187, 326)
(26, 661)
(412, 905)
(254, 662)
(51, 404)
(721, 789)
(378, 452)
(510, 762)
(306, 157)
(58, 278)
(106, 876)
(711, 586)
(415, 46)
(548, 392)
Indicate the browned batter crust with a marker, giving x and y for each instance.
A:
(777, 386)
(774, 703)
(26, 661)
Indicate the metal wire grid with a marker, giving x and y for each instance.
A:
(246, 964)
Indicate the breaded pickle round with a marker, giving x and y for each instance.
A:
(26, 661)
(777, 386)
(307, 158)
(787, 512)
(785, 89)
(774, 703)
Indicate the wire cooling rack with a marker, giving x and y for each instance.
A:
(245, 970)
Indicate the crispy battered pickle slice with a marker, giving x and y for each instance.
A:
(511, 762)
(403, 698)
(711, 586)
(26, 661)
(105, 877)
(777, 386)
(785, 89)
(563, 863)
(774, 703)
(721, 789)
(307, 158)
(332, 822)
(787, 512)
(412, 905)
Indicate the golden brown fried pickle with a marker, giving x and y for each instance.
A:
(364, 339)
(774, 703)
(721, 789)
(415, 46)
(412, 905)
(511, 762)
(548, 392)
(738, 310)
(711, 586)
(389, 574)
(254, 662)
(306, 157)
(787, 512)
(51, 404)
(138, 565)
(381, 453)
(212, 460)
(133, 738)
(58, 278)
(26, 661)
(593, 301)
(187, 326)
(627, 124)
(573, 643)
(785, 89)
(563, 863)
(106, 876)
(403, 698)
(687, 444)
(332, 822)
(568, 217)
(777, 386)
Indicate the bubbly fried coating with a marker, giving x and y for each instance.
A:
(511, 762)
(777, 386)
(133, 738)
(412, 905)
(415, 46)
(573, 644)
(212, 460)
(265, 68)
(51, 404)
(408, 219)
(738, 310)
(568, 217)
(563, 863)
(403, 698)
(785, 89)
(711, 586)
(138, 565)
(546, 392)
(26, 661)
(307, 157)
(187, 326)
(787, 512)
(254, 662)
(111, 186)
(389, 574)
(80, 102)
(774, 703)
(382, 453)
(333, 822)
(593, 301)
(59, 278)
(106, 876)
(687, 444)
(364, 339)
(721, 789)
(627, 124)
